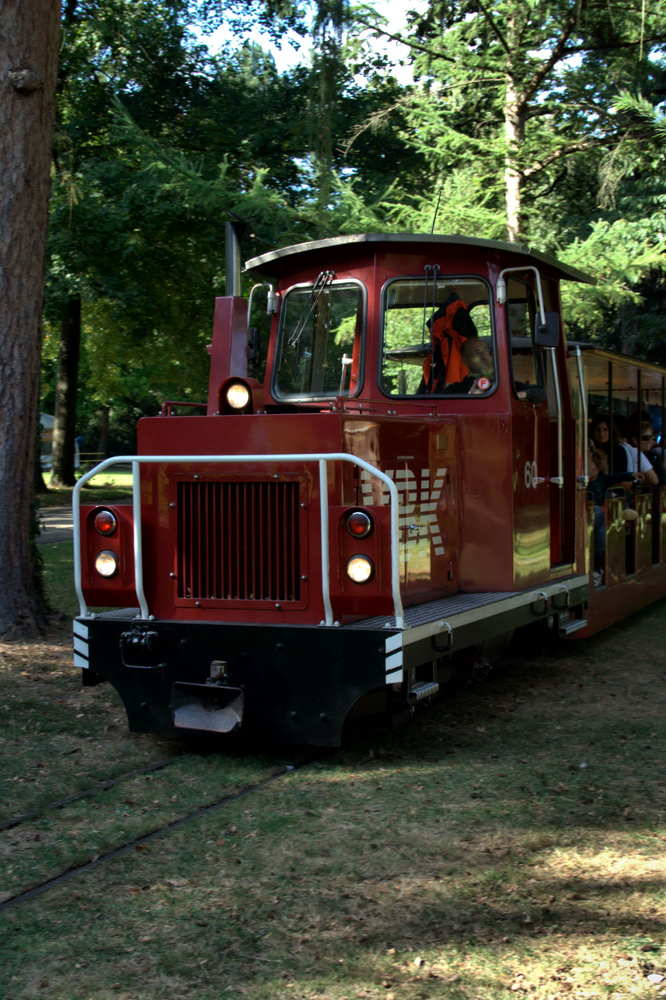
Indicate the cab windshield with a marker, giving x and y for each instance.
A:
(437, 337)
(320, 340)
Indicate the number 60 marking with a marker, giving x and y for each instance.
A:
(531, 477)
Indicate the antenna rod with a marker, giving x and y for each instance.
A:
(434, 218)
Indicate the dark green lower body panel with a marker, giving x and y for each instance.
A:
(295, 684)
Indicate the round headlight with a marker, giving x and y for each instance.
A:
(360, 569)
(238, 395)
(105, 522)
(359, 524)
(106, 563)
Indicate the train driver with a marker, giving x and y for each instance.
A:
(478, 359)
(449, 328)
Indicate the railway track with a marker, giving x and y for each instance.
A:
(10, 823)
(164, 830)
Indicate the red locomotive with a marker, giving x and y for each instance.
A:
(404, 492)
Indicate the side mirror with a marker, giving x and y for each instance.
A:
(252, 343)
(547, 335)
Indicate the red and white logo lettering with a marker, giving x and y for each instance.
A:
(418, 502)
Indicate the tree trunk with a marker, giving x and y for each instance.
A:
(103, 443)
(29, 35)
(514, 131)
(40, 485)
(326, 71)
(515, 106)
(67, 380)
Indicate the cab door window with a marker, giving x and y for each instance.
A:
(525, 356)
(438, 337)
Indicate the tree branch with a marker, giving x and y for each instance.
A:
(558, 154)
(495, 30)
(403, 41)
(558, 52)
(372, 123)
(553, 184)
(657, 39)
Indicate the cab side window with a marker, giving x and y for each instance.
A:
(525, 357)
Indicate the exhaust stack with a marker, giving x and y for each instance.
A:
(232, 260)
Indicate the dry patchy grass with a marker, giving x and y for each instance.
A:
(58, 739)
(509, 843)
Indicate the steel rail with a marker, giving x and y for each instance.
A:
(118, 852)
(10, 823)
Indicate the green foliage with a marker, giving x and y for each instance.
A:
(157, 141)
(528, 87)
(152, 151)
(566, 96)
(619, 255)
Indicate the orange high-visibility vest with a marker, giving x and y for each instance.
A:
(447, 341)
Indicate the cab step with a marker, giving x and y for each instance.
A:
(573, 625)
(427, 689)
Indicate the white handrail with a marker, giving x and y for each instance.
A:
(323, 458)
(500, 287)
(577, 353)
(559, 479)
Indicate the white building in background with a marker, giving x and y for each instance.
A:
(46, 422)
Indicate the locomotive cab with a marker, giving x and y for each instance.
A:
(380, 328)
(404, 490)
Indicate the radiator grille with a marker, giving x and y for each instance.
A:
(239, 541)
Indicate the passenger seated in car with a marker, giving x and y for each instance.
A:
(642, 439)
(599, 481)
(627, 458)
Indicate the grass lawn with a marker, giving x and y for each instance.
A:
(108, 487)
(509, 842)
(59, 578)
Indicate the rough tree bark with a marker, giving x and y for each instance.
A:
(67, 382)
(29, 35)
(514, 131)
(517, 106)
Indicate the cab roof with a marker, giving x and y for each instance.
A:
(278, 262)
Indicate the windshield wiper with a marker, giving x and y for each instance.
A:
(324, 278)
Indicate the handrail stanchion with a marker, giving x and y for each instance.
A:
(325, 561)
(559, 479)
(138, 548)
(76, 548)
(583, 400)
(76, 528)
